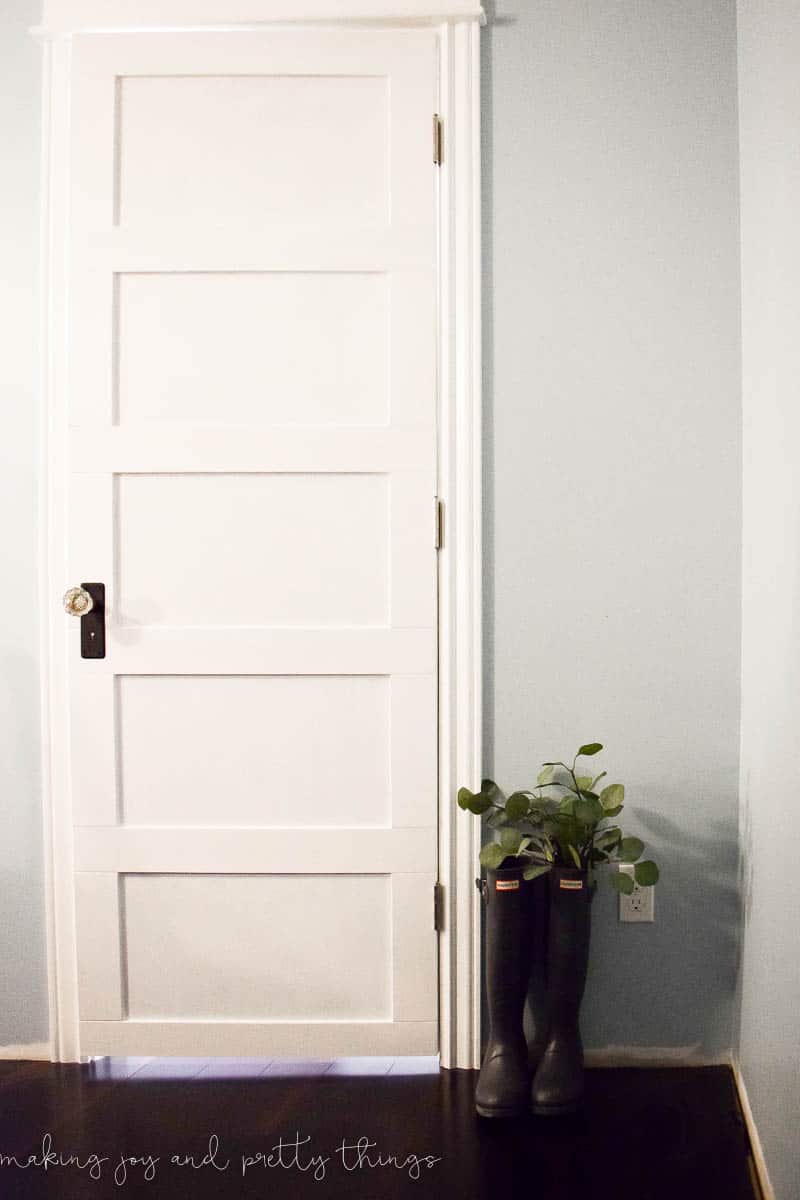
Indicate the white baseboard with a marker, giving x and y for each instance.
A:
(654, 1056)
(767, 1190)
(33, 1050)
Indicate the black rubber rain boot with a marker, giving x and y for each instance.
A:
(558, 1083)
(536, 1018)
(504, 1082)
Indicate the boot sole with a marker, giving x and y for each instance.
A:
(501, 1113)
(561, 1110)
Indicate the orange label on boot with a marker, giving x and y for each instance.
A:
(570, 885)
(506, 885)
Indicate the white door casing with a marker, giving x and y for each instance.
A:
(252, 460)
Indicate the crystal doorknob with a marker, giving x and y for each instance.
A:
(78, 602)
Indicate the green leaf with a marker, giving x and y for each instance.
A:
(474, 802)
(497, 819)
(517, 806)
(614, 812)
(465, 796)
(545, 776)
(510, 840)
(588, 810)
(646, 873)
(629, 849)
(575, 856)
(589, 749)
(597, 779)
(621, 882)
(567, 805)
(612, 796)
(535, 870)
(584, 782)
(598, 856)
(490, 789)
(608, 839)
(492, 855)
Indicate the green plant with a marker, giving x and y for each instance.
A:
(562, 821)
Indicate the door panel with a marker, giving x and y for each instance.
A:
(257, 770)
(248, 549)
(252, 412)
(187, 338)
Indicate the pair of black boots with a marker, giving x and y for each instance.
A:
(537, 949)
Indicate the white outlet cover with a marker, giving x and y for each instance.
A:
(639, 905)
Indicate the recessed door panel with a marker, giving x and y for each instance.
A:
(257, 148)
(291, 751)
(253, 549)
(254, 347)
(254, 947)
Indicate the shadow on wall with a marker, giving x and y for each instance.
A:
(657, 978)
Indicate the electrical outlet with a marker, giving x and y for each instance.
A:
(639, 905)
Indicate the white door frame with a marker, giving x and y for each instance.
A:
(459, 468)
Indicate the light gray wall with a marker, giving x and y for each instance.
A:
(23, 986)
(770, 186)
(613, 463)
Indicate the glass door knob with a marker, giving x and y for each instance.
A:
(78, 602)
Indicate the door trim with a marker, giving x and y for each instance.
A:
(460, 574)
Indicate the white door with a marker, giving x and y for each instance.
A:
(252, 410)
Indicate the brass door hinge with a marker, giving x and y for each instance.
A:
(438, 907)
(438, 140)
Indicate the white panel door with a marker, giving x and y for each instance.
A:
(252, 411)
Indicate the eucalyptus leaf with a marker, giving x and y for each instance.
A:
(621, 882)
(612, 796)
(517, 806)
(613, 812)
(545, 776)
(492, 855)
(535, 870)
(497, 819)
(584, 782)
(646, 873)
(588, 810)
(589, 749)
(474, 802)
(608, 839)
(629, 849)
(510, 840)
(495, 794)
(464, 798)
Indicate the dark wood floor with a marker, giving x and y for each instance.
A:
(645, 1134)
